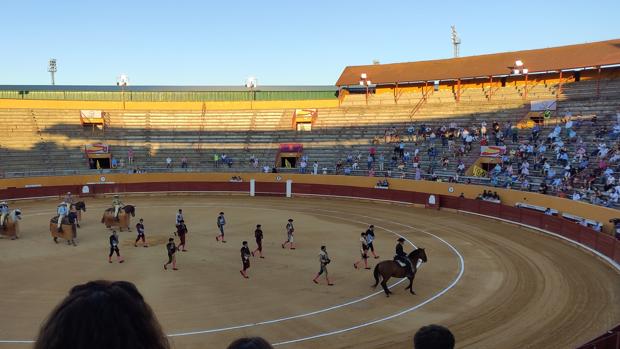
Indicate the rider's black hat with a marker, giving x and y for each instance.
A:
(401, 239)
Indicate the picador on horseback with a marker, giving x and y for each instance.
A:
(4, 213)
(118, 204)
(62, 211)
(401, 256)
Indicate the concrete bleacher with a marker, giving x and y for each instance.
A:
(44, 139)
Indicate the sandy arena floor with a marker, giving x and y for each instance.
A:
(513, 288)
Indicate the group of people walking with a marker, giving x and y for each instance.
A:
(366, 240)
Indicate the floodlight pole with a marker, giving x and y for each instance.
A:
(364, 81)
(52, 69)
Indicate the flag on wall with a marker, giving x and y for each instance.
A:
(479, 172)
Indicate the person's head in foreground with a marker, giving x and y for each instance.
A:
(433, 337)
(250, 343)
(102, 315)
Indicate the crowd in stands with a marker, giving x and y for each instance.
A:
(575, 157)
(125, 321)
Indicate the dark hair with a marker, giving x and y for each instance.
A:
(433, 337)
(170, 239)
(100, 315)
(250, 343)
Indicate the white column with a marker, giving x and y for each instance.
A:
(289, 188)
(252, 187)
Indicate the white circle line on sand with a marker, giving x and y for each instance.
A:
(461, 263)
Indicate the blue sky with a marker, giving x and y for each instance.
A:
(280, 42)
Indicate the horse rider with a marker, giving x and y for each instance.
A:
(4, 212)
(62, 212)
(401, 256)
(118, 204)
(69, 199)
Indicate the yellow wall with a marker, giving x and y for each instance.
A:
(508, 197)
(111, 105)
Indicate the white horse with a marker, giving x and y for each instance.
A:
(11, 228)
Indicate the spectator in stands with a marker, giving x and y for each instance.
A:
(266, 169)
(315, 168)
(250, 343)
(102, 315)
(114, 163)
(168, 162)
(433, 337)
(130, 156)
(302, 166)
(535, 132)
(184, 162)
(216, 160)
(460, 169)
(381, 161)
(548, 212)
(369, 162)
(410, 132)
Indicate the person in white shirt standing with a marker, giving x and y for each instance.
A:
(289, 235)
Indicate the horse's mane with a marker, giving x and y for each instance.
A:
(414, 253)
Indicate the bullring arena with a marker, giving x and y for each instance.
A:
(495, 284)
(505, 177)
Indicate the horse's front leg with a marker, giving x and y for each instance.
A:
(410, 287)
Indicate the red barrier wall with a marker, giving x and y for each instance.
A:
(605, 244)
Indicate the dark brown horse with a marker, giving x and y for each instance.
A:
(79, 207)
(123, 217)
(389, 269)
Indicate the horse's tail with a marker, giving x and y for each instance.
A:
(376, 275)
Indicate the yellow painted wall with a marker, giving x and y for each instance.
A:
(508, 197)
(111, 105)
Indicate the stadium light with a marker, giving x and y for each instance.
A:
(122, 81)
(364, 81)
(251, 83)
(52, 69)
(518, 69)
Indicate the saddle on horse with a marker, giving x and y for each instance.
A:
(111, 211)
